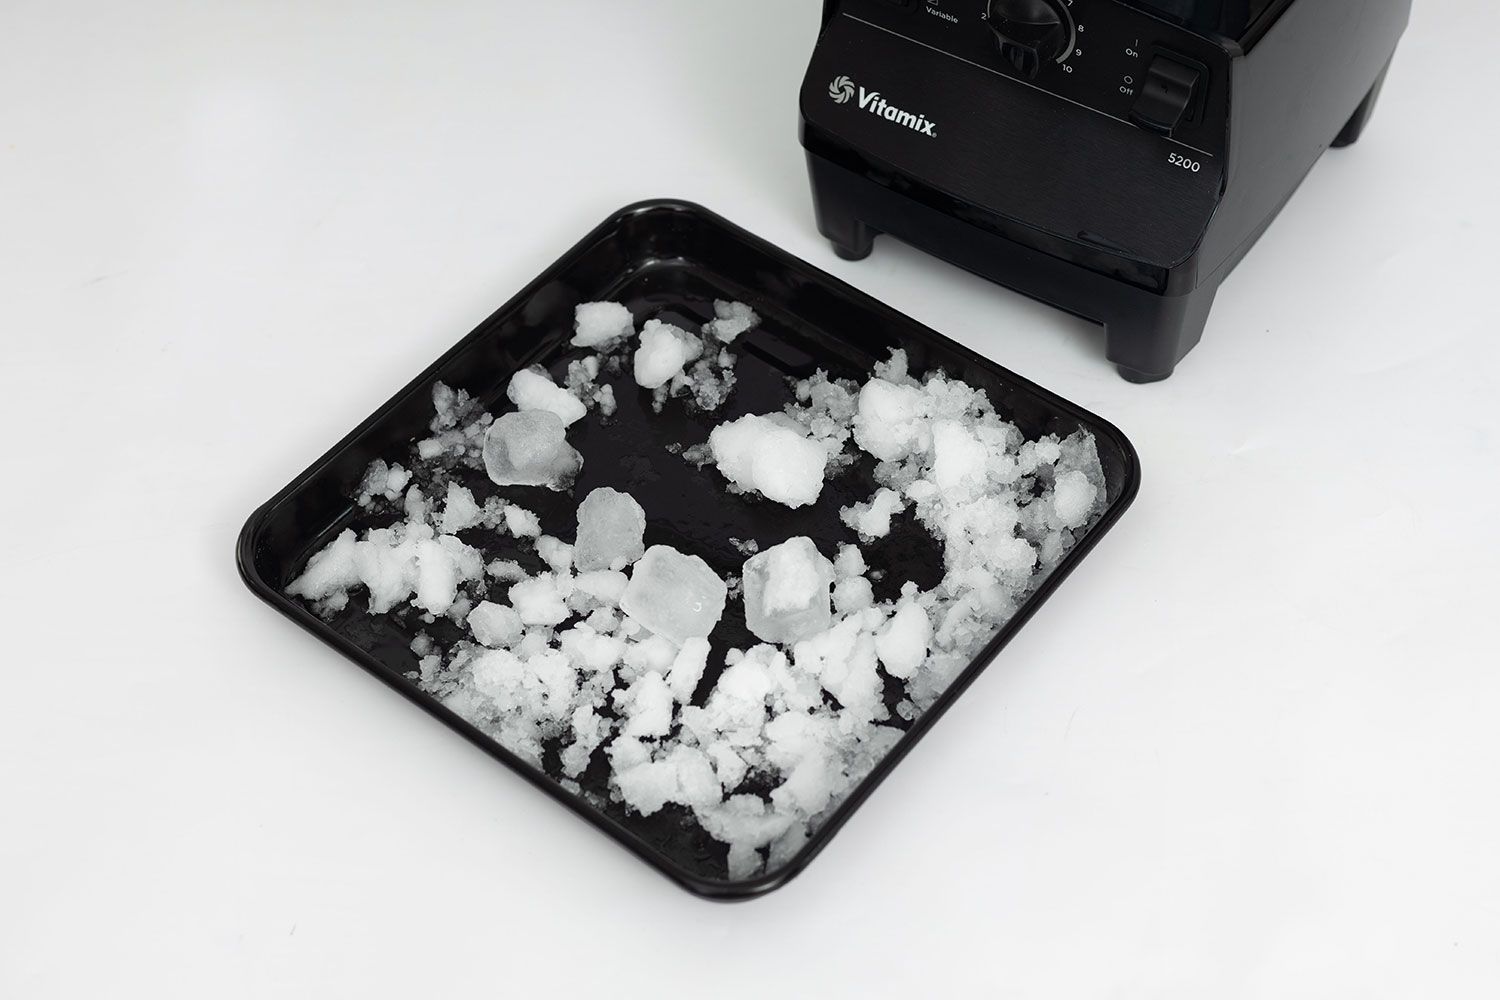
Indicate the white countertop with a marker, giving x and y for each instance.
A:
(1249, 750)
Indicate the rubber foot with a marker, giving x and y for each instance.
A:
(1141, 378)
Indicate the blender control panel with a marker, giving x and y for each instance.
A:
(1099, 54)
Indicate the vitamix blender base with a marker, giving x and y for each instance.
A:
(1113, 159)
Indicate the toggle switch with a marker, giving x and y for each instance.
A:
(1165, 95)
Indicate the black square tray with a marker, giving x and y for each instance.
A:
(667, 259)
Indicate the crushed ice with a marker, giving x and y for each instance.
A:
(596, 656)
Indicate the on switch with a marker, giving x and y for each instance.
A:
(1165, 95)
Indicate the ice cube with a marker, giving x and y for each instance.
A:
(530, 448)
(787, 591)
(604, 586)
(459, 510)
(763, 454)
(746, 824)
(596, 323)
(382, 480)
(506, 570)
(521, 522)
(611, 526)
(1073, 498)
(663, 351)
(652, 653)
(540, 600)
(697, 786)
(687, 669)
(889, 423)
(645, 785)
(332, 570)
(676, 596)
(873, 519)
(730, 320)
(844, 660)
(556, 553)
(646, 706)
(394, 564)
(591, 650)
(494, 625)
(589, 730)
(958, 464)
(853, 593)
(533, 389)
(902, 644)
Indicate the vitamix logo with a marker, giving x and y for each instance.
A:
(842, 91)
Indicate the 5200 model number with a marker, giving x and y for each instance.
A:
(1178, 160)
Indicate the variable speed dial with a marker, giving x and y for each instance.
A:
(1031, 32)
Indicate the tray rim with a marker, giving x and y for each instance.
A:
(703, 887)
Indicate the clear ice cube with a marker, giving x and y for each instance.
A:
(676, 596)
(611, 526)
(787, 592)
(530, 448)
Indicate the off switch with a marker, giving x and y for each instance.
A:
(1165, 95)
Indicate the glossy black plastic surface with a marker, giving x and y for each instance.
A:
(1236, 19)
(668, 259)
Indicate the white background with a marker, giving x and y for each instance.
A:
(1250, 750)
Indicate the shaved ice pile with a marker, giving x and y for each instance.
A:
(599, 657)
(771, 456)
(533, 389)
(672, 362)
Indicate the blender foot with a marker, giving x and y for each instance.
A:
(1139, 377)
(1352, 129)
